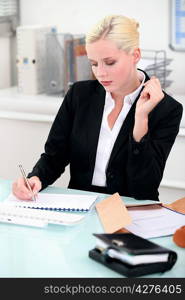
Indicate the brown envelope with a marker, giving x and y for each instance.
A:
(113, 213)
(178, 205)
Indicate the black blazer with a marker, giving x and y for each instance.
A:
(134, 169)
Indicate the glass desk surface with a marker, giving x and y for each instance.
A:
(62, 251)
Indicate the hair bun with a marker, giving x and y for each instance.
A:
(135, 23)
(179, 237)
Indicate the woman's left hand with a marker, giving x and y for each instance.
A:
(151, 95)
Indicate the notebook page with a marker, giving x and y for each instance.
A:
(8, 211)
(70, 202)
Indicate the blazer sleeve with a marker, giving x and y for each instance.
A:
(147, 158)
(53, 161)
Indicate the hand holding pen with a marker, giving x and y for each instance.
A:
(33, 197)
(26, 188)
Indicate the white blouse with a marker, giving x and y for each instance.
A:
(108, 136)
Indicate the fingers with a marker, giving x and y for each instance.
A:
(35, 184)
(154, 79)
(21, 191)
(153, 83)
(152, 90)
(150, 96)
(144, 95)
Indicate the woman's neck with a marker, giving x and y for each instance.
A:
(119, 95)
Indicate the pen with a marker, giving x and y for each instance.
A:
(27, 182)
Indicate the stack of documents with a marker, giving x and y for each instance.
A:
(154, 221)
(147, 219)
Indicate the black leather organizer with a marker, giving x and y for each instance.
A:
(132, 245)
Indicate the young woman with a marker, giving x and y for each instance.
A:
(116, 132)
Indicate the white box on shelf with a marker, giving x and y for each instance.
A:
(31, 58)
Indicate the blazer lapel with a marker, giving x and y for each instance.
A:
(127, 126)
(96, 108)
(126, 129)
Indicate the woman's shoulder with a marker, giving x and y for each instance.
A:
(82, 92)
(86, 85)
(171, 102)
(168, 107)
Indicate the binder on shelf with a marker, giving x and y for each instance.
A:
(66, 61)
(82, 67)
(59, 62)
(131, 255)
(31, 58)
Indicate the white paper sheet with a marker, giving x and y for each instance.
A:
(69, 202)
(155, 222)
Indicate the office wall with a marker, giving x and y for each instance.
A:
(78, 17)
(22, 142)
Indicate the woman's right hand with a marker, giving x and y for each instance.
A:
(21, 191)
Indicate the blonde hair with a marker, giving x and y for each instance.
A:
(120, 29)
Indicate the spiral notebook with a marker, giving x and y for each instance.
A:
(60, 202)
(36, 217)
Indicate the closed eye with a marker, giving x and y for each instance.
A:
(110, 63)
(107, 64)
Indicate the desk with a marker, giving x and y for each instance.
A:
(62, 251)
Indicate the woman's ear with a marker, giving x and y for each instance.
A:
(136, 55)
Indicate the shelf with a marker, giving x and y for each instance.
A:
(43, 108)
(14, 105)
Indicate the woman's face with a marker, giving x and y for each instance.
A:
(113, 68)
